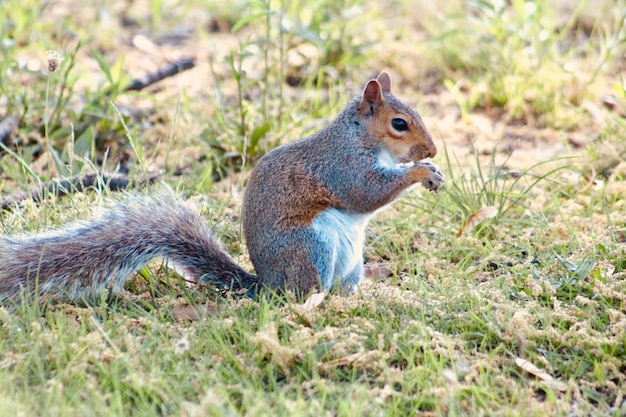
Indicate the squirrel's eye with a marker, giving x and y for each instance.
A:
(399, 124)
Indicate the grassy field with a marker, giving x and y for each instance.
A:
(502, 295)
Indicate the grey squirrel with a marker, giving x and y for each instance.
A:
(305, 209)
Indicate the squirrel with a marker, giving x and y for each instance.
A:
(305, 209)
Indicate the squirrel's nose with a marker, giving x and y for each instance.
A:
(428, 151)
(431, 151)
(427, 148)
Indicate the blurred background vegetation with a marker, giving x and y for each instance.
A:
(268, 72)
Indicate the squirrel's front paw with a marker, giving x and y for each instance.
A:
(434, 178)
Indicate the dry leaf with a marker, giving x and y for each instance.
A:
(541, 374)
(476, 218)
(107, 356)
(193, 312)
(377, 272)
(606, 269)
(144, 44)
(283, 356)
(314, 301)
(346, 360)
(359, 360)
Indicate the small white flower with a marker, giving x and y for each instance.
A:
(182, 345)
(54, 60)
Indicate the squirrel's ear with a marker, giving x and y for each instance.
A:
(372, 98)
(385, 81)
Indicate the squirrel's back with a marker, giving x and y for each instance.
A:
(84, 258)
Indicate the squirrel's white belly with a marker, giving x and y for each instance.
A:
(345, 232)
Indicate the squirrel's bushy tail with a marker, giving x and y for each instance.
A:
(84, 258)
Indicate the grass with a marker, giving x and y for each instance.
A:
(526, 102)
(532, 58)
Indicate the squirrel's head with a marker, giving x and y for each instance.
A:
(394, 124)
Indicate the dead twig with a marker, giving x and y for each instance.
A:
(10, 123)
(76, 184)
(66, 186)
(162, 73)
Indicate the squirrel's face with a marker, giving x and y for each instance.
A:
(392, 123)
(402, 134)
